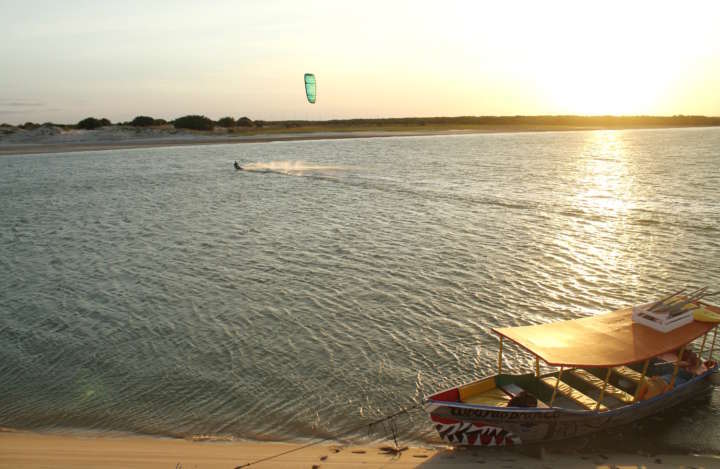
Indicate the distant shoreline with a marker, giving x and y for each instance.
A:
(44, 148)
(197, 138)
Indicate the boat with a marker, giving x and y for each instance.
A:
(604, 371)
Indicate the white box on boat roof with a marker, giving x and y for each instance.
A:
(662, 322)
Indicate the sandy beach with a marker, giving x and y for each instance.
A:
(88, 141)
(36, 451)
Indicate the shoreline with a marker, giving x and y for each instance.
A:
(160, 142)
(30, 148)
(32, 450)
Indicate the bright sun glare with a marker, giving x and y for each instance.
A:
(618, 59)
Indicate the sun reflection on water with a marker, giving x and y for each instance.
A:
(603, 196)
(606, 184)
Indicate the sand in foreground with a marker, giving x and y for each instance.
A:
(35, 451)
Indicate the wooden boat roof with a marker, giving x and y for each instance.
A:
(605, 340)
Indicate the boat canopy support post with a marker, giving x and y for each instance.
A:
(712, 346)
(500, 355)
(702, 346)
(676, 367)
(557, 383)
(602, 391)
(642, 380)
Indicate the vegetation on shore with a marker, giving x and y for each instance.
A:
(90, 123)
(245, 125)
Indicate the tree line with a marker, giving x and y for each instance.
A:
(200, 122)
(548, 120)
(192, 122)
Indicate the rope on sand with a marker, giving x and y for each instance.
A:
(317, 441)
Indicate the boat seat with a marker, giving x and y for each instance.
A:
(598, 384)
(492, 397)
(513, 390)
(483, 392)
(573, 394)
(628, 373)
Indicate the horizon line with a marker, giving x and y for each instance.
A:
(468, 116)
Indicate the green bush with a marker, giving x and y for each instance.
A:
(142, 121)
(90, 123)
(226, 122)
(245, 122)
(193, 122)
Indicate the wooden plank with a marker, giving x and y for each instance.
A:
(597, 383)
(574, 394)
(628, 373)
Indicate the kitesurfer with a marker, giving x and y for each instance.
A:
(237, 166)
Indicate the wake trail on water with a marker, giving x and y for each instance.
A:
(360, 178)
(292, 168)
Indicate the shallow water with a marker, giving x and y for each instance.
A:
(158, 291)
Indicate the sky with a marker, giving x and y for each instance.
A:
(63, 61)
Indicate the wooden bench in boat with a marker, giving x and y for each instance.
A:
(483, 392)
(513, 390)
(598, 384)
(628, 373)
(573, 394)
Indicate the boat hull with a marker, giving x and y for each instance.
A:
(477, 425)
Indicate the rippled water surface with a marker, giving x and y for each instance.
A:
(158, 291)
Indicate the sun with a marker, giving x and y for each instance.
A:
(610, 63)
(602, 79)
(610, 88)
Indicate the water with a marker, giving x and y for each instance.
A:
(158, 291)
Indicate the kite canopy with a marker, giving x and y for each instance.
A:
(310, 88)
(611, 339)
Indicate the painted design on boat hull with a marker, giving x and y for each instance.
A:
(473, 433)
